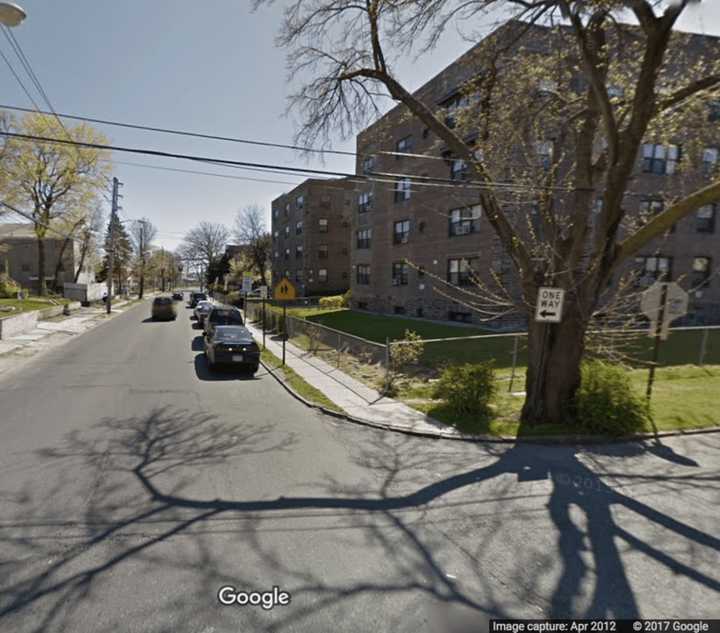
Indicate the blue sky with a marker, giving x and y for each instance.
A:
(201, 65)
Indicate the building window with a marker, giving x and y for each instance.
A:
(287, 209)
(714, 111)
(705, 219)
(362, 274)
(403, 146)
(365, 201)
(298, 252)
(615, 92)
(277, 255)
(458, 102)
(298, 228)
(287, 231)
(276, 234)
(660, 159)
(275, 213)
(654, 268)
(368, 164)
(464, 220)
(401, 232)
(545, 153)
(710, 160)
(399, 310)
(458, 169)
(463, 317)
(361, 305)
(650, 206)
(322, 275)
(323, 225)
(287, 274)
(364, 238)
(461, 272)
(298, 275)
(419, 313)
(700, 273)
(300, 202)
(287, 253)
(25, 268)
(400, 273)
(323, 251)
(402, 189)
(547, 86)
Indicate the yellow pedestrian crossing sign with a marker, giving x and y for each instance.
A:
(284, 290)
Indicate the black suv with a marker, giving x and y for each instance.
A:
(222, 315)
(197, 297)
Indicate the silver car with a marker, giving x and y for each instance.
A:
(202, 309)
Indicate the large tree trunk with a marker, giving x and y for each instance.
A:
(59, 263)
(83, 254)
(555, 351)
(42, 288)
(141, 288)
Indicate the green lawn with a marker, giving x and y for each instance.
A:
(684, 397)
(295, 381)
(26, 305)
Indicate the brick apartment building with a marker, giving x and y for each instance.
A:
(442, 231)
(311, 236)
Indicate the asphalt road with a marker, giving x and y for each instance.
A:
(134, 485)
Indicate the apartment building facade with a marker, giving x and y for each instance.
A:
(417, 248)
(311, 236)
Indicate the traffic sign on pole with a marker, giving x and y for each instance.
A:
(662, 303)
(247, 283)
(284, 290)
(549, 305)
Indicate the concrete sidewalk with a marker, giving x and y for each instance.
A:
(355, 398)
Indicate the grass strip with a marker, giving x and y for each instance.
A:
(298, 383)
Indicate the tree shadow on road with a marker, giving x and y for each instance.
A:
(420, 505)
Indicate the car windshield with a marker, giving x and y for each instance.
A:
(163, 300)
(232, 333)
(226, 317)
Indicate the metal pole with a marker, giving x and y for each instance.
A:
(263, 321)
(514, 363)
(703, 346)
(387, 362)
(339, 343)
(284, 338)
(111, 254)
(656, 345)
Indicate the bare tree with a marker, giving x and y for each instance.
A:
(143, 234)
(556, 129)
(89, 239)
(250, 230)
(205, 244)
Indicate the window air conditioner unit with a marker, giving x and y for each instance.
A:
(698, 294)
(462, 229)
(396, 281)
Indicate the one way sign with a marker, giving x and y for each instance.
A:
(549, 305)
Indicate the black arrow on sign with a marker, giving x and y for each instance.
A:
(545, 313)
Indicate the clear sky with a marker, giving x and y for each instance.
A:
(208, 66)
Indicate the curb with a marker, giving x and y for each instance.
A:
(490, 439)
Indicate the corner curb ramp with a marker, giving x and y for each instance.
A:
(488, 439)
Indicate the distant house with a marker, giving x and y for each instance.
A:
(19, 258)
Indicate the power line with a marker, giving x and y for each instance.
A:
(231, 139)
(22, 85)
(430, 181)
(27, 216)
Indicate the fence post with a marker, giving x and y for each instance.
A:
(514, 363)
(703, 346)
(339, 343)
(387, 362)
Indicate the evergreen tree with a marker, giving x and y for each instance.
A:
(123, 255)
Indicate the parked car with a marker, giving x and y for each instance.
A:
(222, 315)
(202, 309)
(197, 297)
(232, 346)
(177, 296)
(163, 307)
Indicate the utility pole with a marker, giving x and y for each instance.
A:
(162, 267)
(111, 255)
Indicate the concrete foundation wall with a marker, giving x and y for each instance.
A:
(13, 325)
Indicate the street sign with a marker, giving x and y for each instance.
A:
(549, 305)
(263, 292)
(284, 290)
(247, 283)
(675, 306)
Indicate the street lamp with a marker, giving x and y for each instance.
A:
(11, 14)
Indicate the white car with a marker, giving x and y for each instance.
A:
(202, 309)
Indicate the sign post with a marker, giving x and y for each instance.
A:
(662, 303)
(549, 305)
(284, 291)
(263, 298)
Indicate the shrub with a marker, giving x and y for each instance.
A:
(233, 298)
(403, 354)
(346, 298)
(8, 287)
(335, 301)
(467, 389)
(606, 403)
